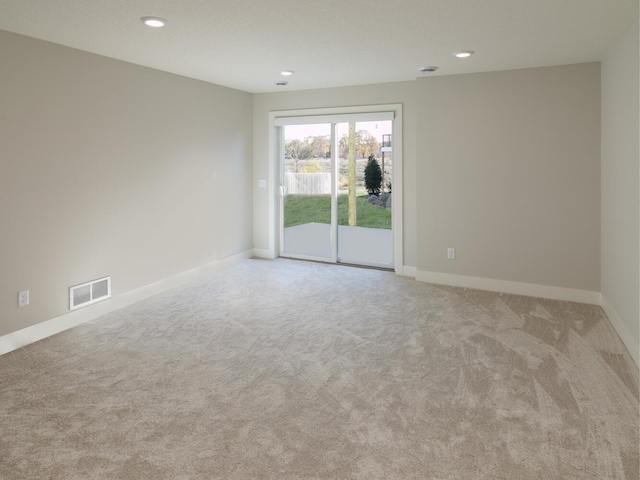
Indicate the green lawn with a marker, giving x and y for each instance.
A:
(300, 209)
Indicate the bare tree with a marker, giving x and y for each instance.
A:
(319, 146)
(296, 149)
(367, 144)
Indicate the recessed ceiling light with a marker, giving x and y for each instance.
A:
(430, 69)
(463, 53)
(287, 73)
(155, 22)
(282, 83)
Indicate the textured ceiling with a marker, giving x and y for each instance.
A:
(245, 43)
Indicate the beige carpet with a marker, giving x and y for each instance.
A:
(295, 370)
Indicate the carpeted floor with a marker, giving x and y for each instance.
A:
(296, 370)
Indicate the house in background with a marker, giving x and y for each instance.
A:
(113, 168)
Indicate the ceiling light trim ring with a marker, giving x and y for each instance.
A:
(463, 53)
(154, 22)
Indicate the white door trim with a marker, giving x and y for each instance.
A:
(277, 118)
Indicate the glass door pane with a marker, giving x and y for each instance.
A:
(306, 192)
(364, 193)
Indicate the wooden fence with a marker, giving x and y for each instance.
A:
(307, 183)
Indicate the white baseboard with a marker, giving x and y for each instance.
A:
(407, 271)
(263, 253)
(505, 286)
(632, 344)
(39, 331)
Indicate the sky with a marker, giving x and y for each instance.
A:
(377, 129)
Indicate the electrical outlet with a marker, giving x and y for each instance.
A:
(262, 183)
(23, 298)
(451, 253)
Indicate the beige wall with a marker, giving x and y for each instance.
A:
(107, 168)
(509, 175)
(389, 93)
(503, 166)
(620, 187)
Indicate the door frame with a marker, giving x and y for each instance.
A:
(324, 114)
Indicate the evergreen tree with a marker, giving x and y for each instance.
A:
(373, 176)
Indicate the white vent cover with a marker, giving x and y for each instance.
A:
(90, 292)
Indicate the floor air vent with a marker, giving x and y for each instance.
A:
(90, 292)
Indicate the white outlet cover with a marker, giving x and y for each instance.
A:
(23, 298)
(262, 183)
(451, 253)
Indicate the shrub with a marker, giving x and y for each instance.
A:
(312, 166)
(373, 176)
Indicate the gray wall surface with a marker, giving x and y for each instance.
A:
(108, 168)
(509, 175)
(502, 166)
(621, 184)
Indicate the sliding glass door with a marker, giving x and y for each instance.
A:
(364, 193)
(335, 189)
(307, 191)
